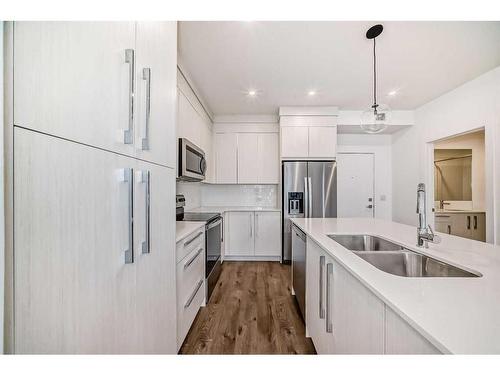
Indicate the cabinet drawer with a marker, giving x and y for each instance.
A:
(189, 271)
(188, 308)
(190, 243)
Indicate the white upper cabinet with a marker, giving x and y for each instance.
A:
(226, 145)
(268, 152)
(322, 141)
(248, 154)
(267, 234)
(294, 142)
(76, 80)
(247, 158)
(156, 70)
(308, 137)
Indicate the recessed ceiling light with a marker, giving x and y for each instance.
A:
(252, 93)
(392, 93)
(311, 93)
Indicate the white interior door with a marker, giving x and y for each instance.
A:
(355, 185)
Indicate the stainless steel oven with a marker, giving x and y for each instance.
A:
(192, 163)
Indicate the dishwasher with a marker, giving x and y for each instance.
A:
(299, 268)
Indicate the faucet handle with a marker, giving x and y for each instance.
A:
(435, 237)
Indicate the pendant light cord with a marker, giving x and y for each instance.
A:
(374, 77)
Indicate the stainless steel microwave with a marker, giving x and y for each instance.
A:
(192, 163)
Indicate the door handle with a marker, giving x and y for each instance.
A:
(146, 76)
(309, 190)
(475, 222)
(128, 177)
(468, 222)
(146, 178)
(256, 225)
(449, 229)
(321, 282)
(128, 137)
(369, 206)
(193, 258)
(329, 278)
(306, 197)
(192, 239)
(250, 222)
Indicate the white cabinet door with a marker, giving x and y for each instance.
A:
(248, 157)
(226, 158)
(322, 141)
(315, 297)
(357, 315)
(240, 234)
(156, 77)
(268, 234)
(401, 338)
(74, 291)
(269, 159)
(155, 259)
(71, 80)
(294, 141)
(355, 184)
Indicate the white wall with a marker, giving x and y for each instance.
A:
(471, 106)
(475, 142)
(380, 146)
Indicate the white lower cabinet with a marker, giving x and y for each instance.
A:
(190, 282)
(401, 338)
(84, 282)
(251, 235)
(345, 317)
(342, 316)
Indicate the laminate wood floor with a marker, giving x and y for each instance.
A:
(251, 311)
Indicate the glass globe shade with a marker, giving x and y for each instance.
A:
(375, 123)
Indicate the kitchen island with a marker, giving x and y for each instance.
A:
(454, 314)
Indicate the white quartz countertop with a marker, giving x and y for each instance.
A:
(458, 315)
(223, 209)
(185, 228)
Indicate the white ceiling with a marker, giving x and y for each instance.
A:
(282, 61)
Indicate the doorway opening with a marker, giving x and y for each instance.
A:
(459, 185)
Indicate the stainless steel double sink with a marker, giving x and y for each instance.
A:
(395, 259)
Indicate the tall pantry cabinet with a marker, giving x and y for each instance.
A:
(93, 186)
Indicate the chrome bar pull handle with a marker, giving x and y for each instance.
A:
(321, 286)
(329, 277)
(468, 222)
(128, 177)
(191, 297)
(306, 197)
(251, 226)
(193, 258)
(475, 222)
(128, 136)
(309, 194)
(146, 244)
(146, 76)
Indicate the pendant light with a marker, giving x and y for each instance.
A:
(375, 119)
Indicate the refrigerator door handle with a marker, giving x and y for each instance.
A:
(306, 197)
(309, 196)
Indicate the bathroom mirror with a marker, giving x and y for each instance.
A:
(453, 174)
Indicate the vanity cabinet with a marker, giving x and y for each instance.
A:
(253, 235)
(467, 225)
(345, 317)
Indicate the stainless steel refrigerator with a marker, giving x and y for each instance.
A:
(309, 189)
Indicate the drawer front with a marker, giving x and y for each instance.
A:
(190, 243)
(187, 310)
(189, 271)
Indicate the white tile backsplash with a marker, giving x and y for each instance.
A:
(192, 193)
(239, 195)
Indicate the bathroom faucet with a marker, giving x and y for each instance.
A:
(425, 233)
